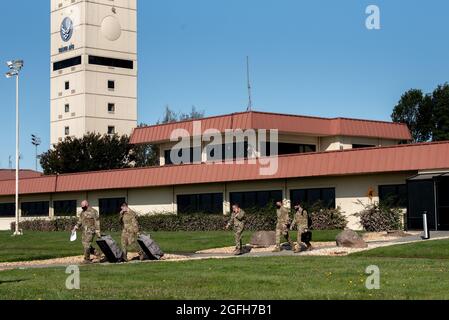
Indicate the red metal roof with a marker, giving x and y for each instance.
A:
(10, 174)
(284, 123)
(414, 157)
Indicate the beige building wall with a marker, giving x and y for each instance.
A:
(344, 143)
(161, 200)
(322, 144)
(352, 189)
(102, 28)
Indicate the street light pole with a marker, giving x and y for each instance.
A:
(15, 67)
(17, 232)
(36, 141)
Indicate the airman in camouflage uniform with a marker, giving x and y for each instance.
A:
(301, 221)
(282, 226)
(130, 231)
(238, 222)
(89, 222)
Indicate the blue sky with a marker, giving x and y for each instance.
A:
(308, 57)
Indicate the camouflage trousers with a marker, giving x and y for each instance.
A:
(129, 239)
(301, 230)
(88, 239)
(282, 231)
(238, 232)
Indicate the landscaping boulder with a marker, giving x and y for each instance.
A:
(263, 239)
(350, 239)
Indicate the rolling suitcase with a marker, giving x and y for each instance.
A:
(150, 248)
(111, 250)
(306, 237)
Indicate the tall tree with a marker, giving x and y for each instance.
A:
(93, 152)
(440, 114)
(194, 114)
(169, 116)
(425, 121)
(408, 111)
(426, 115)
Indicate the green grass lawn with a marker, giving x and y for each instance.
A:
(411, 271)
(438, 249)
(241, 278)
(48, 245)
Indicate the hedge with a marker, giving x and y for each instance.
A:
(257, 219)
(197, 222)
(327, 219)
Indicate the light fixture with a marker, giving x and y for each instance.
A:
(15, 65)
(11, 74)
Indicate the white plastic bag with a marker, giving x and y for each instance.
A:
(73, 237)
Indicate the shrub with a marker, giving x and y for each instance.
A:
(327, 219)
(379, 217)
(46, 225)
(269, 210)
(166, 222)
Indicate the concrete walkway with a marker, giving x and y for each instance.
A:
(331, 250)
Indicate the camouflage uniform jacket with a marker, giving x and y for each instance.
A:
(129, 222)
(283, 216)
(237, 219)
(301, 219)
(89, 221)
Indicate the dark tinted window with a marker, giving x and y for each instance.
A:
(111, 206)
(288, 148)
(66, 208)
(443, 192)
(394, 195)
(7, 210)
(210, 203)
(256, 199)
(361, 146)
(35, 209)
(194, 156)
(310, 197)
(110, 62)
(67, 63)
(111, 84)
(232, 151)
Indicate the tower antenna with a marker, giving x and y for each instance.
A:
(250, 99)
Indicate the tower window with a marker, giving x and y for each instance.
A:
(67, 63)
(111, 107)
(111, 84)
(67, 85)
(67, 108)
(67, 131)
(110, 62)
(111, 130)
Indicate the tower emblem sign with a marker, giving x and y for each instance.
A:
(66, 29)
